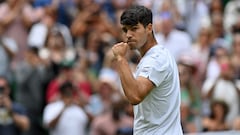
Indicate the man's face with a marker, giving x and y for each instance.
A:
(4, 87)
(166, 26)
(135, 36)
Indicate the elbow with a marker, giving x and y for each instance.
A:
(25, 125)
(26, 128)
(51, 125)
(135, 100)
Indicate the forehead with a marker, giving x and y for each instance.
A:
(3, 81)
(130, 26)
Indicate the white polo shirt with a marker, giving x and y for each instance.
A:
(159, 112)
(73, 121)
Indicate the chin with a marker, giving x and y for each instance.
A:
(132, 46)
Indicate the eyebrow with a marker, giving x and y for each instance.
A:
(125, 27)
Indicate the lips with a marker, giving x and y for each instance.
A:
(130, 41)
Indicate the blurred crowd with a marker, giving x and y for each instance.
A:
(57, 76)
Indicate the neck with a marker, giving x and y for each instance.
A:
(149, 44)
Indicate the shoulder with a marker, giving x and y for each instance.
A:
(54, 105)
(181, 35)
(158, 56)
(18, 108)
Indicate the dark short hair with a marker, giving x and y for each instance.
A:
(136, 14)
(33, 49)
(224, 106)
(66, 88)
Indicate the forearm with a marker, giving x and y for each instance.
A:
(21, 121)
(9, 52)
(210, 93)
(129, 83)
(27, 21)
(53, 123)
(8, 19)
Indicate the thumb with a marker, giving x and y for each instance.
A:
(126, 46)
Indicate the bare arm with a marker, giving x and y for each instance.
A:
(54, 122)
(210, 92)
(9, 52)
(21, 121)
(12, 14)
(9, 18)
(135, 89)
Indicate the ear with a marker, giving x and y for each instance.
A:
(149, 28)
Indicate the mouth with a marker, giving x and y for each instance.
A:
(130, 42)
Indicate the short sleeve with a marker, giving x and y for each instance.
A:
(19, 109)
(51, 111)
(207, 85)
(156, 71)
(11, 44)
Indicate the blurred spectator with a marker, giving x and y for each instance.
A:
(64, 8)
(13, 118)
(188, 125)
(55, 51)
(197, 15)
(8, 50)
(235, 27)
(231, 14)
(114, 121)
(217, 89)
(217, 119)
(31, 81)
(66, 74)
(90, 19)
(95, 52)
(218, 32)
(176, 7)
(119, 5)
(171, 7)
(87, 18)
(216, 7)
(217, 54)
(109, 69)
(101, 100)
(235, 56)
(65, 116)
(190, 96)
(170, 37)
(200, 52)
(81, 75)
(17, 16)
(47, 24)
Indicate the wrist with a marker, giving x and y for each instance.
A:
(119, 58)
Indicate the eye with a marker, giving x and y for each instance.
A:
(134, 28)
(124, 30)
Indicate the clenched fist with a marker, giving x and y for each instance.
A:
(120, 50)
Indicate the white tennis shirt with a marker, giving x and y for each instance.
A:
(159, 112)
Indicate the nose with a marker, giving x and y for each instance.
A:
(129, 34)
